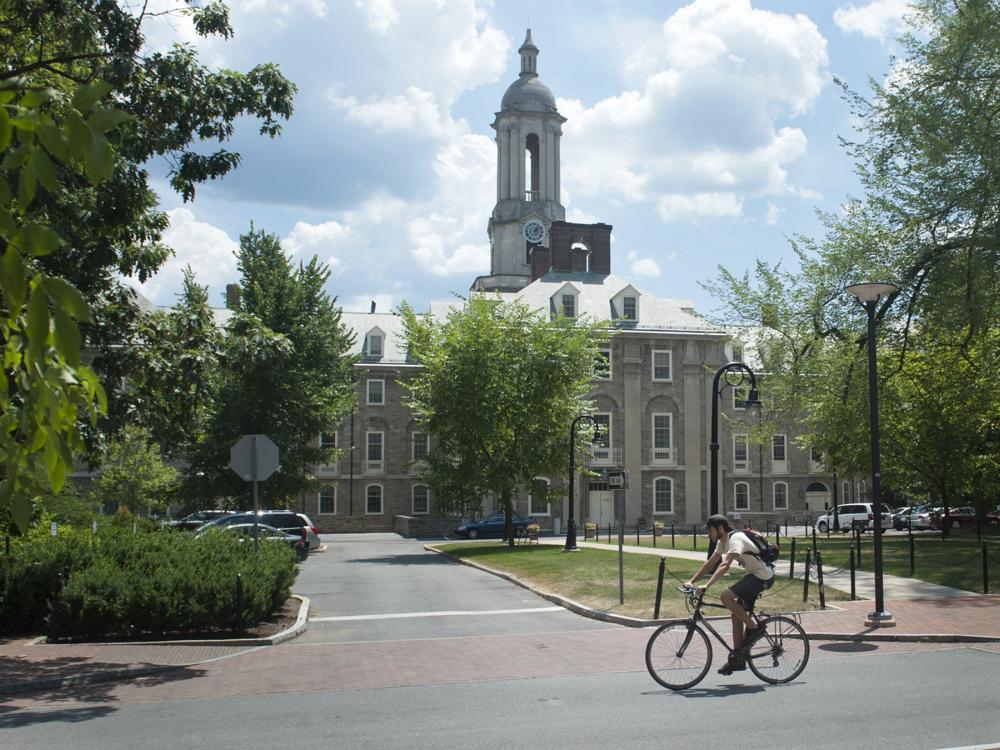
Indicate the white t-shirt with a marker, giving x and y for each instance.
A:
(747, 551)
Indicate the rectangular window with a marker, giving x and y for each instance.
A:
(602, 364)
(374, 453)
(778, 448)
(373, 500)
(419, 446)
(742, 496)
(815, 455)
(569, 305)
(538, 501)
(737, 353)
(662, 362)
(741, 453)
(602, 442)
(327, 500)
(628, 308)
(327, 440)
(374, 345)
(780, 496)
(663, 495)
(740, 395)
(376, 392)
(663, 438)
(421, 499)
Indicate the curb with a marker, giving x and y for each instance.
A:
(129, 673)
(633, 622)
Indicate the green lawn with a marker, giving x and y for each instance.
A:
(954, 561)
(590, 577)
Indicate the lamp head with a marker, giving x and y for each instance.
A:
(753, 400)
(871, 292)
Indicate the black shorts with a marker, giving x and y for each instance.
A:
(749, 588)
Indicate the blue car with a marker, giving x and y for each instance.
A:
(491, 527)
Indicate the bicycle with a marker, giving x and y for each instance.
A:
(679, 654)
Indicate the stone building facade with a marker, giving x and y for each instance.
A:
(653, 396)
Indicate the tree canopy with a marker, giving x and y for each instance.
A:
(498, 389)
(928, 221)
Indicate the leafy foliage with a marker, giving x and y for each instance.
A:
(499, 388)
(133, 474)
(285, 371)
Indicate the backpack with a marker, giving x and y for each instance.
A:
(766, 551)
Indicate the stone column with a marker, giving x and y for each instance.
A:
(505, 161)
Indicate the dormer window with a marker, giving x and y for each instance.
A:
(628, 308)
(625, 306)
(565, 302)
(375, 344)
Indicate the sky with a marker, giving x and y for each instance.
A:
(705, 132)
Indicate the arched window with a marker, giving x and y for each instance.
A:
(663, 495)
(845, 490)
(742, 494)
(780, 496)
(862, 491)
(373, 500)
(421, 500)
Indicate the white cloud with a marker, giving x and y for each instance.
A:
(703, 129)
(322, 240)
(878, 19)
(381, 14)
(416, 111)
(646, 267)
(209, 251)
(773, 214)
(384, 302)
(699, 205)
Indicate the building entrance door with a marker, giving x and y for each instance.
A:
(602, 506)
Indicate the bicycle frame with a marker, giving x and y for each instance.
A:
(697, 618)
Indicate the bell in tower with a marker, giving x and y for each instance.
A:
(528, 128)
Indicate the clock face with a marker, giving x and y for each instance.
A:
(534, 231)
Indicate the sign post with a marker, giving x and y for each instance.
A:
(254, 458)
(618, 482)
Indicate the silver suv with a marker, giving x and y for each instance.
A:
(852, 515)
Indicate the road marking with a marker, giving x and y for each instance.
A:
(976, 747)
(450, 613)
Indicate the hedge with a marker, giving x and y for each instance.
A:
(121, 584)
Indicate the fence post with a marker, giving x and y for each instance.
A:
(986, 571)
(913, 557)
(814, 538)
(819, 580)
(857, 537)
(654, 532)
(659, 588)
(637, 535)
(854, 594)
(673, 540)
(791, 561)
(694, 535)
(805, 578)
(777, 535)
(609, 533)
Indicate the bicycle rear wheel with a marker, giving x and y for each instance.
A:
(781, 652)
(678, 655)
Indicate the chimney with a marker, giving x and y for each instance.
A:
(232, 296)
(373, 308)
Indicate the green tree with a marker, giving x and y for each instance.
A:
(176, 371)
(498, 389)
(928, 221)
(183, 112)
(285, 371)
(133, 474)
(47, 387)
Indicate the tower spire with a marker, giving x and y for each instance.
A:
(529, 57)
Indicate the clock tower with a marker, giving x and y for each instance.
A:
(528, 128)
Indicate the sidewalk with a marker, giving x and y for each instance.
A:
(31, 664)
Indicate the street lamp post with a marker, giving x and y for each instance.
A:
(570, 520)
(753, 401)
(869, 295)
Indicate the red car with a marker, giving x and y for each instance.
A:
(963, 517)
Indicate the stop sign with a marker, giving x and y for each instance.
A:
(254, 457)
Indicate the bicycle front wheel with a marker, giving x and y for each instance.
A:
(781, 652)
(678, 655)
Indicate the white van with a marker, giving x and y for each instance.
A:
(851, 515)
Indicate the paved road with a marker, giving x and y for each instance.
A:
(402, 673)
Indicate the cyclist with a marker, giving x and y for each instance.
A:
(734, 546)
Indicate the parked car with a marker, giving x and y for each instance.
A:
(194, 520)
(852, 514)
(898, 517)
(286, 520)
(245, 532)
(491, 526)
(963, 516)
